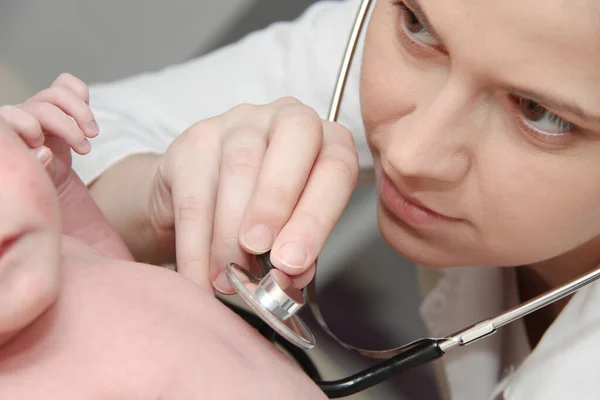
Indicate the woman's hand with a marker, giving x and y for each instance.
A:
(250, 180)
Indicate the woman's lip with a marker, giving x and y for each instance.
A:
(408, 209)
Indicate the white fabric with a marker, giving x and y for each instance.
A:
(301, 59)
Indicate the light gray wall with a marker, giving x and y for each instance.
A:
(109, 39)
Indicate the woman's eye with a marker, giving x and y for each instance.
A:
(542, 120)
(414, 28)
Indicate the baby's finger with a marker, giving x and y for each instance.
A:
(24, 124)
(71, 104)
(74, 84)
(57, 123)
(43, 154)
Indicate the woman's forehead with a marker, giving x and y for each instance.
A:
(553, 23)
(533, 43)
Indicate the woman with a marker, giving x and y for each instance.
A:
(482, 121)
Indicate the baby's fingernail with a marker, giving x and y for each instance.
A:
(92, 129)
(43, 154)
(292, 254)
(222, 284)
(85, 146)
(258, 238)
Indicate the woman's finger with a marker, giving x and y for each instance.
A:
(241, 162)
(191, 169)
(327, 192)
(302, 280)
(295, 141)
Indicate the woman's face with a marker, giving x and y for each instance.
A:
(483, 118)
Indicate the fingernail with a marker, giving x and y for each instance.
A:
(258, 238)
(293, 255)
(43, 154)
(92, 129)
(222, 284)
(85, 146)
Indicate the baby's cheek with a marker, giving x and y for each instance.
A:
(26, 192)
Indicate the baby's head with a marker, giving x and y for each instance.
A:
(29, 235)
(487, 113)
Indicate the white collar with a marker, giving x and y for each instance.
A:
(458, 297)
(564, 365)
(566, 362)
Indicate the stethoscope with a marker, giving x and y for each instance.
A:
(271, 295)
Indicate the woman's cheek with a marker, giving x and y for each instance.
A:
(536, 209)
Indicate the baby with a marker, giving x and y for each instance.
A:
(78, 318)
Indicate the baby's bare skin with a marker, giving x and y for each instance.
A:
(122, 330)
(40, 197)
(112, 328)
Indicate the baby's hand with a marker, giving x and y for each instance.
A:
(53, 121)
(33, 211)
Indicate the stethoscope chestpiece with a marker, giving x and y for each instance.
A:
(275, 300)
(276, 293)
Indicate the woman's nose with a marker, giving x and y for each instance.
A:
(435, 141)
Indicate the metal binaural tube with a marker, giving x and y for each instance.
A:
(347, 62)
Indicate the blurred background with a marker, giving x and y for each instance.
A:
(368, 293)
(110, 39)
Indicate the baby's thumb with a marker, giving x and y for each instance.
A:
(43, 154)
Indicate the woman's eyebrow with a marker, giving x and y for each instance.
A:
(556, 105)
(416, 8)
(546, 100)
